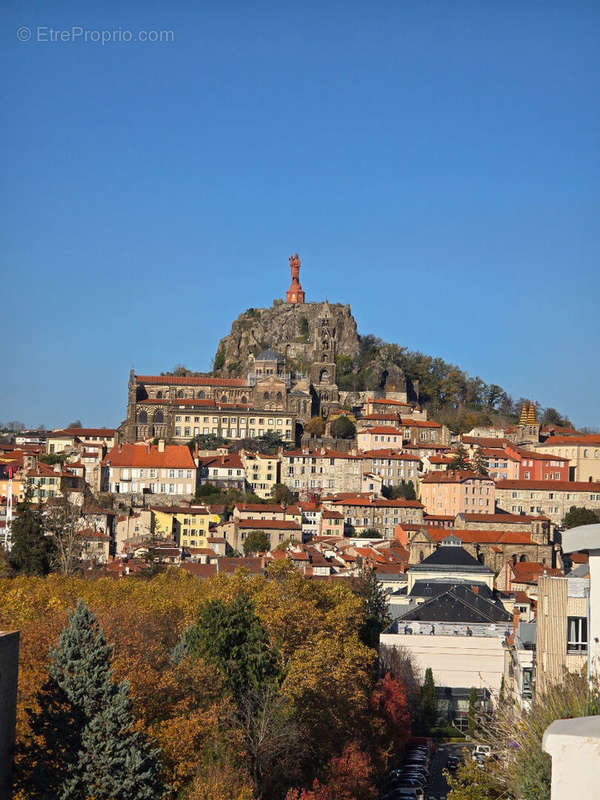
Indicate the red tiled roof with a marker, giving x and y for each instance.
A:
(420, 423)
(472, 537)
(509, 519)
(455, 476)
(385, 452)
(98, 432)
(577, 438)
(231, 461)
(199, 570)
(270, 524)
(141, 455)
(529, 571)
(383, 401)
(332, 515)
(532, 454)
(383, 429)
(271, 508)
(379, 502)
(179, 380)
(551, 486)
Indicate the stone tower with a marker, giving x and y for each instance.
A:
(528, 428)
(323, 367)
(295, 294)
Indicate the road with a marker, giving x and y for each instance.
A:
(438, 788)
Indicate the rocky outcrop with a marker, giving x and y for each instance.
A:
(288, 329)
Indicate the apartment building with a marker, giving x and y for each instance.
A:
(552, 499)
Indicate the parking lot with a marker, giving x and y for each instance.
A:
(437, 788)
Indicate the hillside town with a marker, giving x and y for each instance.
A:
(463, 532)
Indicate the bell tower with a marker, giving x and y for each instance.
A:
(295, 294)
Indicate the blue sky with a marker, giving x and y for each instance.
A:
(436, 165)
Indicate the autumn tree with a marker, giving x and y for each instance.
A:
(280, 493)
(315, 426)
(390, 706)
(472, 713)
(83, 742)
(61, 522)
(257, 542)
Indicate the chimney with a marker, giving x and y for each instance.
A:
(161, 445)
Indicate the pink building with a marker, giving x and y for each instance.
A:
(457, 491)
(383, 437)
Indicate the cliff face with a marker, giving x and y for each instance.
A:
(286, 328)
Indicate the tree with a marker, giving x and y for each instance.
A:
(232, 638)
(479, 464)
(429, 706)
(303, 328)
(370, 533)
(552, 417)
(76, 424)
(472, 714)
(580, 516)
(343, 428)
(315, 426)
(473, 783)
(83, 744)
(32, 551)
(257, 542)
(405, 490)
(61, 522)
(281, 494)
(219, 361)
(206, 441)
(460, 458)
(375, 606)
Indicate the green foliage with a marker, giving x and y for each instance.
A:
(343, 428)
(479, 463)
(32, 551)
(219, 361)
(552, 417)
(232, 638)
(83, 744)
(252, 313)
(256, 542)
(461, 460)
(580, 516)
(405, 490)
(375, 608)
(206, 441)
(281, 494)
(370, 533)
(471, 782)
(472, 714)
(53, 458)
(303, 328)
(429, 705)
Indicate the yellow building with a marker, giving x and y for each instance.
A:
(262, 472)
(189, 526)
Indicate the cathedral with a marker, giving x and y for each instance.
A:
(270, 398)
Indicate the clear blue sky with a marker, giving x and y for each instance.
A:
(435, 164)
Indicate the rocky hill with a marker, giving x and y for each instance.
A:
(286, 328)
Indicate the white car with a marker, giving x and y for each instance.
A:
(482, 751)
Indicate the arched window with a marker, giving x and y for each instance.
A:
(266, 396)
(305, 406)
(142, 418)
(324, 376)
(159, 394)
(180, 393)
(158, 416)
(244, 399)
(201, 394)
(279, 396)
(224, 398)
(523, 557)
(481, 558)
(421, 555)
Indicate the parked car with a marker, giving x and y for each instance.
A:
(482, 750)
(453, 763)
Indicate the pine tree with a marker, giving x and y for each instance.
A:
(479, 463)
(460, 458)
(472, 715)
(429, 706)
(232, 637)
(376, 608)
(83, 744)
(31, 551)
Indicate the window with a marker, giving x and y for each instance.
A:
(577, 638)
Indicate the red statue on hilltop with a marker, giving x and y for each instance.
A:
(295, 294)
